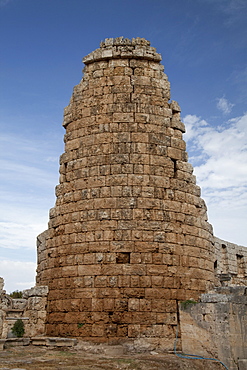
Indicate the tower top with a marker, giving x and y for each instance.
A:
(120, 47)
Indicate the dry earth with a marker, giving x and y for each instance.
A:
(41, 358)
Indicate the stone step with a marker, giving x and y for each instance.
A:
(53, 342)
(16, 318)
(38, 341)
(13, 342)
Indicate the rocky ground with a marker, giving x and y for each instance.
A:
(42, 358)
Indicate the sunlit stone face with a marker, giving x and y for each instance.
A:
(128, 237)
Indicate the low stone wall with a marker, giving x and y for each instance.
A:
(216, 327)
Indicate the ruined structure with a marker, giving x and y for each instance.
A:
(128, 238)
(31, 309)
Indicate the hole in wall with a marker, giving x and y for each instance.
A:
(175, 166)
(123, 257)
(215, 264)
(240, 264)
(239, 257)
(225, 263)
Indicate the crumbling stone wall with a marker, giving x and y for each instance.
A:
(230, 263)
(31, 308)
(35, 310)
(128, 237)
(216, 327)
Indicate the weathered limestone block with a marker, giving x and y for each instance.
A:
(31, 309)
(242, 364)
(216, 326)
(18, 304)
(35, 310)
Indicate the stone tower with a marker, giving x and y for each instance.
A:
(128, 237)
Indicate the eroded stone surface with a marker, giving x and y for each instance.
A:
(31, 309)
(128, 237)
(216, 326)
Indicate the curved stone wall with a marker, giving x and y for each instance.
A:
(128, 237)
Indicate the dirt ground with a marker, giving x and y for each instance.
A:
(42, 358)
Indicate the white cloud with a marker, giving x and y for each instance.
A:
(4, 2)
(224, 105)
(18, 235)
(220, 155)
(16, 172)
(17, 275)
(28, 179)
(234, 10)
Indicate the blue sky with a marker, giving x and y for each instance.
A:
(204, 50)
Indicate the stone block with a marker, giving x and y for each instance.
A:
(134, 330)
(89, 270)
(109, 304)
(242, 364)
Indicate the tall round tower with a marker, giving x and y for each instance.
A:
(128, 237)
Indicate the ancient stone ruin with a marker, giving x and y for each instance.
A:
(128, 238)
(30, 308)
